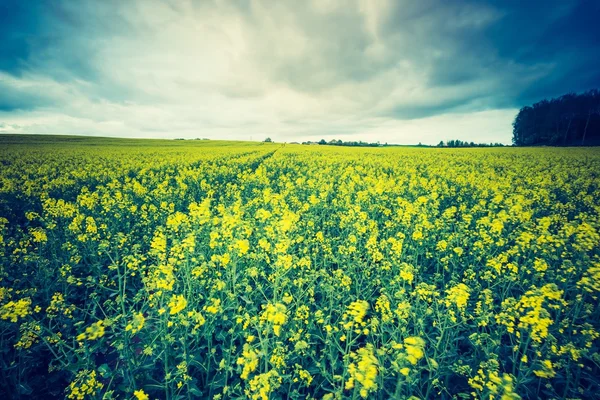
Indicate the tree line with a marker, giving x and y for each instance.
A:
(568, 120)
(449, 143)
(334, 142)
(461, 143)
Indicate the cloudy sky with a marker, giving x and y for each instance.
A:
(395, 71)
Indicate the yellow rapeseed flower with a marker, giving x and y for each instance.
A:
(177, 304)
(363, 371)
(141, 395)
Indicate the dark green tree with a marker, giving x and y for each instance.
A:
(571, 119)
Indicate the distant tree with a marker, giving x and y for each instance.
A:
(460, 143)
(571, 119)
(268, 140)
(334, 142)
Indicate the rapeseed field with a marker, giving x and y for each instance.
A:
(225, 270)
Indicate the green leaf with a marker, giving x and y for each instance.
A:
(105, 371)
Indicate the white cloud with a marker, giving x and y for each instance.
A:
(331, 69)
(480, 127)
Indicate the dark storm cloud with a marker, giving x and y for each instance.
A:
(56, 39)
(12, 99)
(563, 35)
(33, 33)
(19, 25)
(529, 49)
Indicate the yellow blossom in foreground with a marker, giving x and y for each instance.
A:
(458, 295)
(243, 246)
(276, 315)
(305, 376)
(249, 361)
(414, 346)
(590, 281)
(214, 307)
(13, 310)
(136, 324)
(39, 236)
(262, 385)
(177, 304)
(407, 273)
(92, 332)
(363, 370)
(382, 306)
(546, 370)
(288, 298)
(355, 313)
(140, 395)
(489, 381)
(85, 384)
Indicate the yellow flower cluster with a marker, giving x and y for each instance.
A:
(58, 306)
(591, 279)
(261, 386)
(85, 385)
(30, 334)
(249, 361)
(546, 370)
(458, 295)
(92, 332)
(382, 306)
(363, 370)
(140, 395)
(177, 304)
(488, 383)
(414, 348)
(136, 324)
(531, 313)
(275, 314)
(355, 314)
(13, 310)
